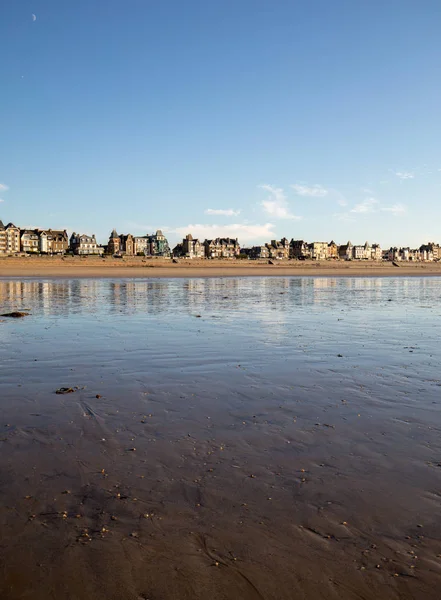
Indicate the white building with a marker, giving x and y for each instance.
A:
(376, 252)
(85, 244)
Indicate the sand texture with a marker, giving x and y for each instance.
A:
(36, 266)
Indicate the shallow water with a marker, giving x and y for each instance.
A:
(231, 438)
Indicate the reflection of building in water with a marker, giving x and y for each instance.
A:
(142, 296)
(275, 301)
(41, 295)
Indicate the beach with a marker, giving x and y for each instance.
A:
(253, 438)
(138, 267)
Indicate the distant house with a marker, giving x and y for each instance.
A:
(376, 252)
(155, 244)
(53, 241)
(30, 241)
(278, 249)
(83, 244)
(332, 250)
(121, 244)
(190, 248)
(159, 244)
(222, 248)
(346, 251)
(426, 252)
(393, 254)
(319, 250)
(9, 238)
(142, 245)
(256, 252)
(299, 249)
(362, 252)
(431, 250)
(404, 254)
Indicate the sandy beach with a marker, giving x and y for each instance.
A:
(138, 267)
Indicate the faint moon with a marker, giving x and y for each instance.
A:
(34, 17)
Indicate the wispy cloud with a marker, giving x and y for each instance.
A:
(404, 175)
(344, 216)
(229, 212)
(34, 17)
(1, 200)
(396, 209)
(314, 191)
(367, 206)
(3, 187)
(276, 204)
(245, 232)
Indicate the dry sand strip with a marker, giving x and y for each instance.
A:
(138, 267)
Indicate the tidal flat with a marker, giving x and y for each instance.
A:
(225, 438)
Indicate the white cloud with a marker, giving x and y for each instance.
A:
(367, 206)
(229, 212)
(3, 187)
(346, 217)
(404, 175)
(1, 200)
(371, 205)
(276, 204)
(245, 233)
(314, 191)
(396, 209)
(34, 17)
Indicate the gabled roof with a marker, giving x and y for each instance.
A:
(1, 224)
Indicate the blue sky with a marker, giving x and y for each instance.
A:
(250, 118)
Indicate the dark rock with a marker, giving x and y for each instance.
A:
(15, 315)
(65, 390)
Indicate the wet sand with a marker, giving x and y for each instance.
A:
(283, 444)
(137, 267)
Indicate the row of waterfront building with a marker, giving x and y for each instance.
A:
(14, 240)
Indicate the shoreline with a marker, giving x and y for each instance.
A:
(139, 268)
